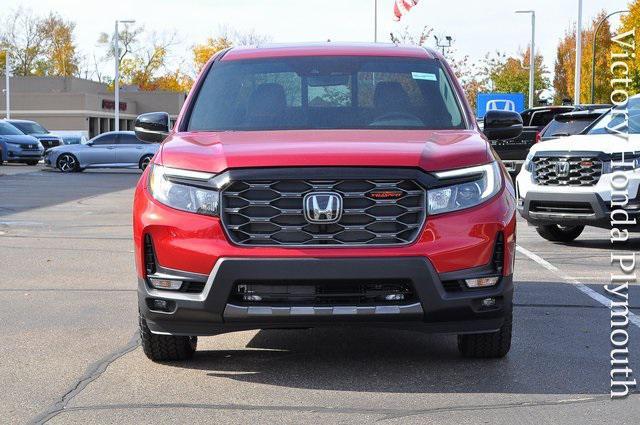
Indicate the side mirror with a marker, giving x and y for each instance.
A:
(89, 143)
(502, 125)
(152, 127)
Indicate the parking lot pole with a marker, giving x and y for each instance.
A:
(7, 86)
(532, 62)
(532, 57)
(375, 21)
(576, 91)
(593, 57)
(116, 81)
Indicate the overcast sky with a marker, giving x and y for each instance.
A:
(477, 26)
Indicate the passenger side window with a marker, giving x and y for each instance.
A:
(105, 139)
(128, 139)
(449, 99)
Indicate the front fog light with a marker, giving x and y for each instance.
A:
(482, 282)
(173, 285)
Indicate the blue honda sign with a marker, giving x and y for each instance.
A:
(500, 101)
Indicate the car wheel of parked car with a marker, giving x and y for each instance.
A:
(161, 348)
(31, 162)
(67, 163)
(557, 233)
(145, 161)
(487, 345)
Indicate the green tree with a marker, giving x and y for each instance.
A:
(511, 74)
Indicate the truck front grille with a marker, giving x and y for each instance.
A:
(567, 171)
(374, 212)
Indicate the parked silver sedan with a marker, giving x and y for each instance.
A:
(115, 149)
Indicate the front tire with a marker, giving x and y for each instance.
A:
(487, 345)
(67, 163)
(163, 348)
(556, 233)
(144, 162)
(31, 162)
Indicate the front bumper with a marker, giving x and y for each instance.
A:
(574, 206)
(20, 155)
(436, 309)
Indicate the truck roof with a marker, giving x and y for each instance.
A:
(328, 49)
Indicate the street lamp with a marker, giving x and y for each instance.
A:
(116, 55)
(443, 45)
(593, 63)
(532, 57)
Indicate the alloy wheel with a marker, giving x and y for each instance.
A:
(67, 163)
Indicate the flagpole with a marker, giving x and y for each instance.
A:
(375, 21)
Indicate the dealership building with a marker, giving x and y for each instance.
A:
(75, 104)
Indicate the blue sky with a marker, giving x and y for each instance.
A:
(477, 26)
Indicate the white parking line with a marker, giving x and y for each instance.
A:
(573, 281)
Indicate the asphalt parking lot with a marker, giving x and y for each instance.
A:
(70, 352)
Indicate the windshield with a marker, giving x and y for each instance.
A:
(567, 127)
(30, 127)
(326, 93)
(7, 129)
(621, 119)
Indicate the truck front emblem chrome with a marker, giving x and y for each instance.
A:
(322, 207)
(562, 169)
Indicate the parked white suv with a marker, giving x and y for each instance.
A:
(565, 184)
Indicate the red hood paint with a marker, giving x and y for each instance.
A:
(429, 150)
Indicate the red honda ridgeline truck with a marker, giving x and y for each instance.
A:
(325, 185)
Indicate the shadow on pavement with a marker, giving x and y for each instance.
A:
(43, 188)
(557, 349)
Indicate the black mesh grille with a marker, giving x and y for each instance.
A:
(563, 208)
(319, 293)
(149, 256)
(50, 143)
(270, 212)
(579, 171)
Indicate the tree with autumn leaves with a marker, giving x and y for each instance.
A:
(564, 80)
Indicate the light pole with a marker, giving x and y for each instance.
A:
(578, 77)
(375, 21)
(116, 82)
(7, 86)
(593, 62)
(532, 57)
(443, 45)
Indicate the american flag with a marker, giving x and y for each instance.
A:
(402, 7)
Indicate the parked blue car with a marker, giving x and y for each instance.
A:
(16, 146)
(115, 149)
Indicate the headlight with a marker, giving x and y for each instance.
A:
(14, 145)
(173, 188)
(477, 184)
(528, 165)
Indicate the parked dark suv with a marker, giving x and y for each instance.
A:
(34, 129)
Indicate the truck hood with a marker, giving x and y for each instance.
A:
(606, 143)
(430, 150)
